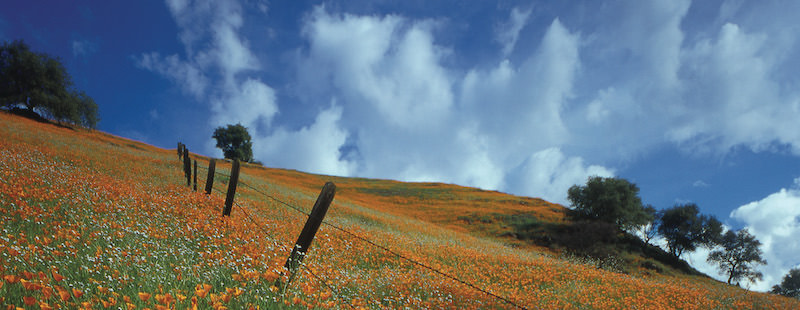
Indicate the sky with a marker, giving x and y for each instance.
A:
(693, 101)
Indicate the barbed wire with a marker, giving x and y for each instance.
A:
(384, 248)
(334, 292)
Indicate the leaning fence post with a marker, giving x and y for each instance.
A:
(195, 175)
(231, 188)
(311, 227)
(210, 179)
(187, 168)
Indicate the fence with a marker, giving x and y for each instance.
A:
(314, 221)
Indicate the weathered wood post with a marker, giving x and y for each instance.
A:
(310, 229)
(231, 188)
(195, 175)
(180, 150)
(187, 168)
(212, 165)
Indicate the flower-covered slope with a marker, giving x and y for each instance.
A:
(91, 220)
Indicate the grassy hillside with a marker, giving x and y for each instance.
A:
(93, 220)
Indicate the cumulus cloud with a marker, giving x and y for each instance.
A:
(392, 102)
(775, 221)
(251, 103)
(315, 148)
(590, 93)
(188, 76)
(630, 78)
(657, 77)
(738, 102)
(549, 174)
(380, 66)
(508, 32)
(413, 118)
(209, 33)
(512, 103)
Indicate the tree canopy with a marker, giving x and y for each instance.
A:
(41, 84)
(790, 286)
(740, 252)
(684, 228)
(612, 200)
(234, 140)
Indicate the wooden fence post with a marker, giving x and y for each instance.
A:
(187, 168)
(311, 227)
(231, 188)
(180, 150)
(195, 175)
(210, 179)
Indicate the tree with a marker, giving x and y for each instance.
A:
(790, 286)
(612, 200)
(684, 228)
(649, 230)
(87, 109)
(40, 83)
(739, 254)
(234, 140)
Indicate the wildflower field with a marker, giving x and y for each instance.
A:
(90, 220)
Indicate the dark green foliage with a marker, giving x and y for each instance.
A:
(739, 254)
(39, 82)
(684, 228)
(594, 240)
(591, 238)
(526, 226)
(234, 140)
(611, 200)
(790, 286)
(628, 243)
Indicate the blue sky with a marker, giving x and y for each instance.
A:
(693, 101)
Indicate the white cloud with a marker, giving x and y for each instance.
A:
(231, 51)
(315, 148)
(508, 33)
(700, 183)
(188, 76)
(381, 65)
(83, 48)
(629, 82)
(397, 99)
(512, 104)
(587, 93)
(775, 221)
(549, 174)
(651, 30)
(209, 32)
(408, 111)
(740, 103)
(253, 104)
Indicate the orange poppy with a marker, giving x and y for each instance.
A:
(144, 296)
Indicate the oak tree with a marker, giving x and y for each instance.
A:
(739, 254)
(235, 142)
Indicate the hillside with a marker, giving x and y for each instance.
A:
(94, 220)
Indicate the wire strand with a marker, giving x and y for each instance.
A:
(394, 252)
(384, 248)
(334, 291)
